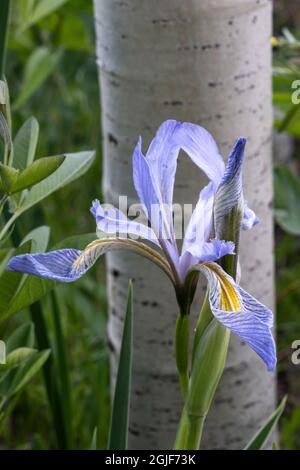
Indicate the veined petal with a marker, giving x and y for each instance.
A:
(212, 250)
(55, 265)
(230, 190)
(113, 221)
(201, 147)
(200, 224)
(240, 312)
(147, 188)
(249, 218)
(69, 265)
(162, 157)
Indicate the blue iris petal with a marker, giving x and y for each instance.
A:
(55, 265)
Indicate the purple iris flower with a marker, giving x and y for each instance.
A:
(154, 176)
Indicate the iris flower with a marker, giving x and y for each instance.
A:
(154, 176)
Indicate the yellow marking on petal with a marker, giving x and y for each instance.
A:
(230, 300)
(77, 263)
(274, 42)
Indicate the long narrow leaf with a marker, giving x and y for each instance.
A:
(120, 413)
(259, 440)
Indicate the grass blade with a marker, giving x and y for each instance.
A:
(63, 375)
(259, 440)
(4, 17)
(120, 413)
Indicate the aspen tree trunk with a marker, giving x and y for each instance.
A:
(209, 62)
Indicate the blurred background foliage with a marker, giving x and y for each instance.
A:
(287, 206)
(52, 74)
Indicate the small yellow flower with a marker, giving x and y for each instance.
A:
(274, 42)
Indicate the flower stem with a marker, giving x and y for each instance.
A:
(190, 431)
(182, 351)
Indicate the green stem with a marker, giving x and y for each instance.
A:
(204, 319)
(8, 224)
(4, 21)
(182, 351)
(2, 202)
(189, 432)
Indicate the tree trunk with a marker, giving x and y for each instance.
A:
(209, 62)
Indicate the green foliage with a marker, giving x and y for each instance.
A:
(262, 436)
(50, 56)
(39, 67)
(118, 434)
(287, 200)
(22, 363)
(25, 144)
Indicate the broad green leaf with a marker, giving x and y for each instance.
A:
(17, 357)
(21, 337)
(14, 380)
(35, 287)
(8, 176)
(120, 412)
(25, 143)
(36, 172)
(259, 440)
(287, 200)
(39, 66)
(74, 165)
(37, 10)
(10, 281)
(40, 237)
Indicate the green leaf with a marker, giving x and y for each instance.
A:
(287, 200)
(120, 412)
(36, 172)
(14, 380)
(10, 281)
(17, 357)
(94, 439)
(35, 287)
(74, 165)
(289, 118)
(39, 66)
(40, 237)
(259, 440)
(25, 143)
(21, 337)
(38, 10)
(8, 176)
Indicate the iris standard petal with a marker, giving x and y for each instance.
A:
(201, 147)
(149, 194)
(162, 157)
(241, 313)
(55, 265)
(113, 221)
(200, 224)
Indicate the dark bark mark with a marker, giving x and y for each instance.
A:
(112, 139)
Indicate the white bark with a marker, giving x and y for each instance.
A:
(209, 62)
